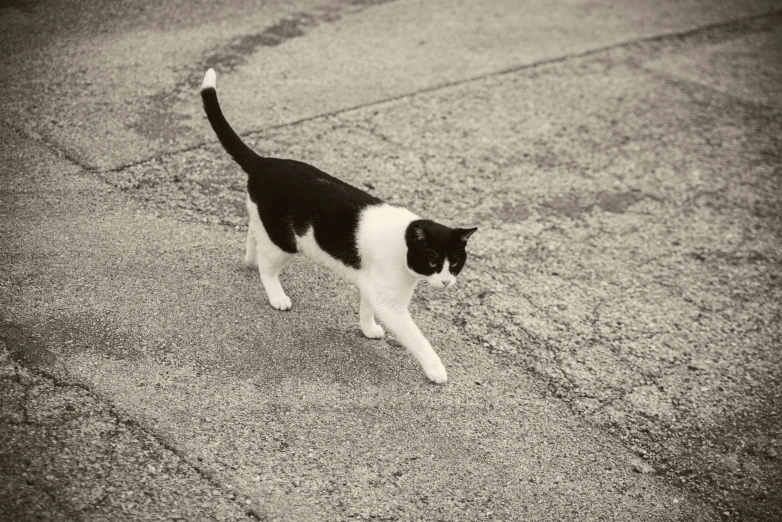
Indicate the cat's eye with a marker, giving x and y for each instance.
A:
(433, 264)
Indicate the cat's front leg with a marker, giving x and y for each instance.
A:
(405, 331)
(367, 320)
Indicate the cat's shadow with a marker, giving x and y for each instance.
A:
(326, 353)
(319, 338)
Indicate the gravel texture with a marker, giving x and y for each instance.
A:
(112, 84)
(614, 342)
(66, 455)
(629, 246)
(295, 412)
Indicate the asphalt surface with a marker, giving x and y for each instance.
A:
(296, 412)
(619, 312)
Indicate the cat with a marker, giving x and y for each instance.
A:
(383, 249)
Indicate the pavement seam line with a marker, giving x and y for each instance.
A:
(53, 147)
(508, 70)
(131, 424)
(61, 152)
(689, 84)
(327, 120)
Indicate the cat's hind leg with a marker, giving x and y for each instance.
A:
(270, 260)
(367, 320)
(250, 254)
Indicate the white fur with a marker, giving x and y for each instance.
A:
(443, 279)
(384, 280)
(210, 79)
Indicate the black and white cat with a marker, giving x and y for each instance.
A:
(381, 248)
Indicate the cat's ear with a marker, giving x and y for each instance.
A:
(419, 233)
(465, 233)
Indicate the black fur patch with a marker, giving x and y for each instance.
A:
(293, 196)
(430, 243)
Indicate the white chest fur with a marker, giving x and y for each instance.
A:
(381, 237)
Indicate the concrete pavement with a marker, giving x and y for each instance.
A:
(127, 79)
(294, 411)
(67, 455)
(603, 185)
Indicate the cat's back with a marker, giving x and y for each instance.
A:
(296, 201)
(297, 184)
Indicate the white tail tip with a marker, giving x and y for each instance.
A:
(210, 80)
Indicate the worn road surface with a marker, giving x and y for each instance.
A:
(614, 345)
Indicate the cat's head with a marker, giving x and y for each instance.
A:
(436, 253)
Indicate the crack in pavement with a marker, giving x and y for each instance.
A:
(550, 314)
(719, 31)
(30, 378)
(230, 56)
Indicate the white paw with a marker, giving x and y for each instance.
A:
(251, 261)
(281, 303)
(374, 331)
(436, 373)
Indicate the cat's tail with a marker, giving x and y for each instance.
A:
(232, 143)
